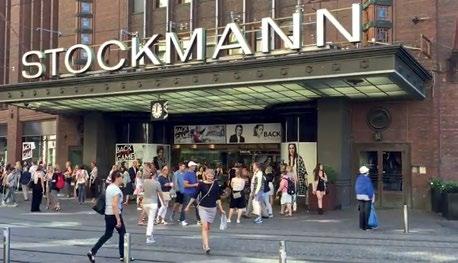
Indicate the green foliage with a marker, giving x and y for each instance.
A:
(450, 187)
(437, 184)
(331, 173)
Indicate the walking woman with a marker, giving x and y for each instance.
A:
(238, 201)
(319, 186)
(69, 183)
(166, 186)
(37, 188)
(94, 181)
(210, 199)
(81, 181)
(113, 217)
(151, 191)
(48, 182)
(127, 187)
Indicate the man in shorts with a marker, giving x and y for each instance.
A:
(178, 184)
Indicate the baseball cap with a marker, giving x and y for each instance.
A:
(192, 163)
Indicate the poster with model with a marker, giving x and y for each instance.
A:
(200, 134)
(302, 157)
(254, 133)
(159, 154)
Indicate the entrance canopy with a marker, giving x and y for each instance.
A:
(379, 72)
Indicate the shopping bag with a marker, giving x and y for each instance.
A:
(223, 224)
(373, 222)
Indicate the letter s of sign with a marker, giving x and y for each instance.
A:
(40, 66)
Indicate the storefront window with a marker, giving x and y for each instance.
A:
(43, 149)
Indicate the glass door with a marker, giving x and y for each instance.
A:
(388, 169)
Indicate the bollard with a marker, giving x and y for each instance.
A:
(127, 248)
(406, 219)
(282, 252)
(6, 245)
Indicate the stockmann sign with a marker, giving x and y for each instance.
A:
(198, 40)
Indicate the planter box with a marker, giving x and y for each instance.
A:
(436, 201)
(329, 200)
(450, 206)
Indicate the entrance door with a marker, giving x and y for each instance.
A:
(389, 171)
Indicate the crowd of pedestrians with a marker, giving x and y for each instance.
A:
(165, 197)
(47, 181)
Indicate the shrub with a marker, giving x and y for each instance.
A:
(450, 187)
(437, 184)
(331, 173)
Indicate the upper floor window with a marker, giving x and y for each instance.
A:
(382, 12)
(86, 23)
(139, 6)
(86, 39)
(86, 8)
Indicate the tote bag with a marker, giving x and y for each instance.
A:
(373, 221)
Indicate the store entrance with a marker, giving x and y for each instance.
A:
(389, 170)
(228, 154)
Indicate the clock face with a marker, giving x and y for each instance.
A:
(156, 110)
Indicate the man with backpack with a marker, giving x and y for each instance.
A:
(288, 190)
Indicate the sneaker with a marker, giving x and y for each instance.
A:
(122, 259)
(184, 223)
(258, 222)
(91, 257)
(238, 221)
(198, 223)
(229, 221)
(164, 222)
(271, 216)
(150, 240)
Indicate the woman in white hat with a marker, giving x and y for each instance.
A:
(365, 196)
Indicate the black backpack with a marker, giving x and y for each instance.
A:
(100, 204)
(291, 187)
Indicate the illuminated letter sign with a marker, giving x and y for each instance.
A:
(321, 14)
(142, 53)
(101, 53)
(241, 41)
(40, 67)
(198, 39)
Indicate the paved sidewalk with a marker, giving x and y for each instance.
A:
(333, 237)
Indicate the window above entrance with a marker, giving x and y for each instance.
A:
(388, 72)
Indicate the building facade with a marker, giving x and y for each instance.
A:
(386, 100)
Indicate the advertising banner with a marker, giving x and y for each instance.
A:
(200, 134)
(254, 133)
(159, 154)
(27, 150)
(306, 157)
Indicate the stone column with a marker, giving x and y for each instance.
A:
(14, 135)
(334, 144)
(99, 142)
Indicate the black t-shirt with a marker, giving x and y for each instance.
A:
(208, 200)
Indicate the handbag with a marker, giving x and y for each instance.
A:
(166, 196)
(237, 195)
(223, 223)
(373, 221)
(100, 204)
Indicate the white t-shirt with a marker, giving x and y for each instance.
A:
(237, 184)
(111, 192)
